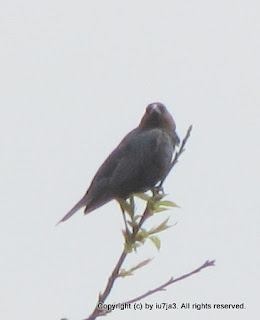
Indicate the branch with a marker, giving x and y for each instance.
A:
(102, 297)
(177, 154)
(115, 274)
(131, 238)
(98, 313)
(171, 281)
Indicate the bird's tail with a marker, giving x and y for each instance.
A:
(79, 205)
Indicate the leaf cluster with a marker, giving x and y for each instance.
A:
(135, 234)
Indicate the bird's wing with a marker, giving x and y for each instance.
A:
(144, 157)
(137, 164)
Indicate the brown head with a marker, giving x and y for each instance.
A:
(157, 116)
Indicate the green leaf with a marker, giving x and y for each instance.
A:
(141, 236)
(141, 264)
(167, 203)
(142, 196)
(163, 226)
(129, 247)
(156, 241)
(132, 223)
(159, 209)
(125, 273)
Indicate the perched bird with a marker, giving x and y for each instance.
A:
(140, 161)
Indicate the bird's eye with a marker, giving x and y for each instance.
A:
(149, 108)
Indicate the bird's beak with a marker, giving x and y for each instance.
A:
(155, 107)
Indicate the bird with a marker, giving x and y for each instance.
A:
(140, 161)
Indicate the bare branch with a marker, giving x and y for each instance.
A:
(102, 297)
(177, 154)
(171, 281)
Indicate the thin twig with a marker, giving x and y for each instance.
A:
(177, 154)
(171, 281)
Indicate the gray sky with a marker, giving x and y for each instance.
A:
(75, 78)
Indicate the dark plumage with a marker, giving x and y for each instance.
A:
(140, 161)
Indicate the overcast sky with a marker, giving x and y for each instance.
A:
(76, 76)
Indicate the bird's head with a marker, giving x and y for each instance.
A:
(157, 116)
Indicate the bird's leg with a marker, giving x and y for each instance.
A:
(132, 205)
(158, 190)
(133, 218)
(129, 234)
(131, 225)
(157, 195)
(124, 217)
(125, 221)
